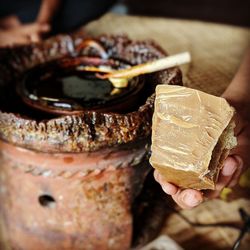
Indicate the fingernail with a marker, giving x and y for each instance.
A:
(169, 188)
(229, 167)
(191, 200)
(165, 189)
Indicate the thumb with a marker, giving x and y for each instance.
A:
(35, 28)
(44, 27)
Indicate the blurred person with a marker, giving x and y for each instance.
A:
(24, 21)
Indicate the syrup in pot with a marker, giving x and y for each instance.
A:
(56, 90)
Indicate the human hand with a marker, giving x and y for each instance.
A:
(238, 159)
(10, 22)
(23, 34)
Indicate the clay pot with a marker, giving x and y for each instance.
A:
(69, 201)
(69, 182)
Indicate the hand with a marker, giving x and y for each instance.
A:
(23, 34)
(10, 22)
(238, 95)
(234, 165)
(239, 158)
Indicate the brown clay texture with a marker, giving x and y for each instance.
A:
(70, 182)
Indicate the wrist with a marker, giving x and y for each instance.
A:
(241, 105)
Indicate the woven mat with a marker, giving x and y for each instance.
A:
(216, 49)
(216, 53)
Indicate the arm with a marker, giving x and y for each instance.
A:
(47, 10)
(13, 32)
(34, 31)
(22, 34)
(238, 94)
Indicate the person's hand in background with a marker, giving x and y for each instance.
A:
(238, 95)
(23, 34)
(13, 32)
(9, 22)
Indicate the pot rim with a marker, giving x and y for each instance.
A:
(91, 130)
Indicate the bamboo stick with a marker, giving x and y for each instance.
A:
(150, 67)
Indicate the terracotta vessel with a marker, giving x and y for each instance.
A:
(70, 181)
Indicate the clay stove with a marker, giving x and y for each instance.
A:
(72, 162)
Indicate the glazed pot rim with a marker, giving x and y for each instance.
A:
(91, 130)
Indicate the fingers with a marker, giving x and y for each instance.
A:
(231, 171)
(34, 28)
(11, 38)
(33, 31)
(167, 187)
(190, 198)
(35, 37)
(186, 199)
(229, 175)
(23, 34)
(237, 173)
(227, 172)
(20, 40)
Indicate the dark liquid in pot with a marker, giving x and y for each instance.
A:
(48, 90)
(56, 90)
(85, 90)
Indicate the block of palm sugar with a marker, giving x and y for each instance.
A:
(192, 134)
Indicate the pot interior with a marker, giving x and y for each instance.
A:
(70, 90)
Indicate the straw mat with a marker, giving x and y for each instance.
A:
(216, 49)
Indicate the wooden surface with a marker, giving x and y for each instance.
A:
(216, 53)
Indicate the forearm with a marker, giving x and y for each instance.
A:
(47, 10)
(238, 92)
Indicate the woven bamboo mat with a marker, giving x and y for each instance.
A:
(216, 53)
(216, 49)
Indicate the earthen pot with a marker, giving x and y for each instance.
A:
(69, 181)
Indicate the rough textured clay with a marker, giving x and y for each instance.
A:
(69, 182)
(90, 130)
